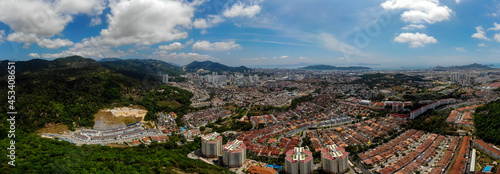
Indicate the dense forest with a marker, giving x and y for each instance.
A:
(166, 98)
(70, 91)
(387, 80)
(487, 122)
(41, 155)
(433, 121)
(143, 69)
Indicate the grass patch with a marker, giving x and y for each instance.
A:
(171, 104)
(53, 128)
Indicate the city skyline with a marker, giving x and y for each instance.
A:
(390, 33)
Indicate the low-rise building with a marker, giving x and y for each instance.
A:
(89, 132)
(105, 138)
(81, 137)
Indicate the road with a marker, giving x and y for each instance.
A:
(457, 104)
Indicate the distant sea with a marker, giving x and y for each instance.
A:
(373, 67)
(495, 65)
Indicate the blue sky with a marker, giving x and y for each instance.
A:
(391, 33)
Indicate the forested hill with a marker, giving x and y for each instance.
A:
(140, 68)
(35, 65)
(68, 90)
(487, 122)
(214, 66)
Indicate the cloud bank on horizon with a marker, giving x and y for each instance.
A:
(255, 32)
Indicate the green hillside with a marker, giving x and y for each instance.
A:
(142, 68)
(70, 91)
(487, 122)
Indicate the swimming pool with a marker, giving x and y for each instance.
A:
(487, 169)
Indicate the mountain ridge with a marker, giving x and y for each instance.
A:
(213, 66)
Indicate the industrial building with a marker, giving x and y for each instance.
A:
(233, 153)
(334, 159)
(299, 161)
(211, 145)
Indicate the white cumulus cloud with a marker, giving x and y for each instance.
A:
(415, 39)
(164, 20)
(37, 21)
(54, 43)
(497, 37)
(495, 28)
(209, 22)
(34, 55)
(89, 7)
(419, 11)
(175, 45)
(414, 27)
(172, 46)
(87, 48)
(45, 18)
(33, 17)
(216, 46)
(481, 34)
(95, 21)
(482, 45)
(28, 39)
(180, 58)
(461, 49)
(242, 10)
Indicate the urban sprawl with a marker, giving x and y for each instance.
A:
(295, 121)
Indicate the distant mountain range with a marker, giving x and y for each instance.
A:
(329, 67)
(463, 67)
(138, 69)
(213, 66)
